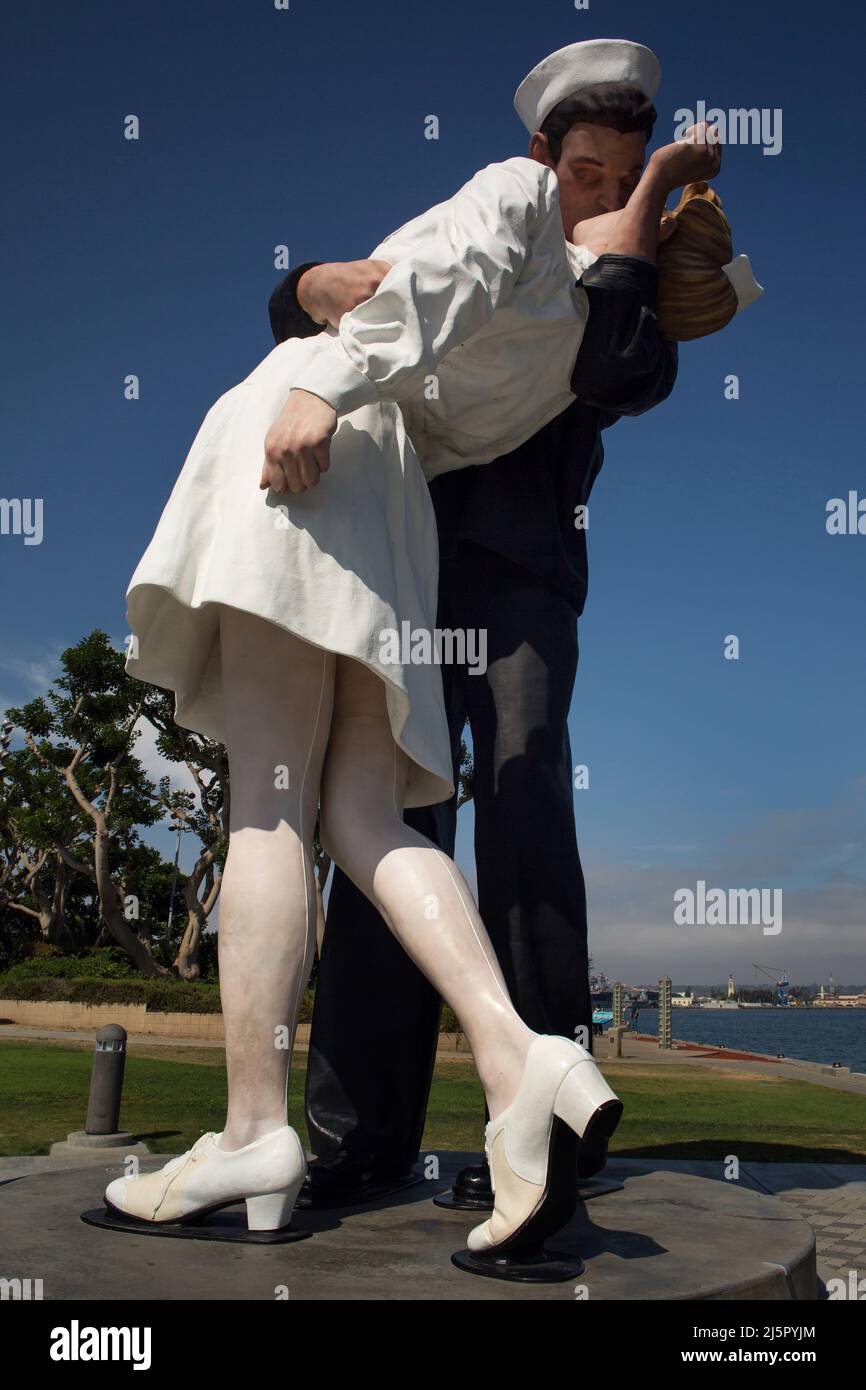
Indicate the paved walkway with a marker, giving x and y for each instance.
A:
(636, 1047)
(642, 1048)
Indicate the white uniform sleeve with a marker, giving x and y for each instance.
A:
(581, 258)
(452, 268)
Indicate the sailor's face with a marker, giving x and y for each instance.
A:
(598, 170)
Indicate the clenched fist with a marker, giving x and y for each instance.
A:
(698, 156)
(298, 444)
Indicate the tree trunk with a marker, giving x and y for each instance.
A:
(112, 912)
(132, 944)
(186, 962)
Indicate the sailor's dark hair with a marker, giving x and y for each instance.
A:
(618, 105)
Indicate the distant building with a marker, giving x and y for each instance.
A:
(841, 1001)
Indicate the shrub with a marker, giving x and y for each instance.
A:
(106, 977)
(105, 964)
(160, 996)
(305, 1013)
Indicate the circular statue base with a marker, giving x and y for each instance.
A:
(661, 1235)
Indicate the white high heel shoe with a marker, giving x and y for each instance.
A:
(266, 1174)
(531, 1147)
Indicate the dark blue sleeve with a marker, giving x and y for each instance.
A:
(624, 366)
(288, 319)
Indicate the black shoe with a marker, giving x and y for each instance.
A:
(470, 1191)
(346, 1180)
(591, 1157)
(472, 1185)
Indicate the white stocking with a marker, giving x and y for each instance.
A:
(419, 891)
(278, 693)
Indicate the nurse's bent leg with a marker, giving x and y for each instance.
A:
(278, 696)
(420, 893)
(376, 1019)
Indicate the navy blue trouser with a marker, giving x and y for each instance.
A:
(376, 1018)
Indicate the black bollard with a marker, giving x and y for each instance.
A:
(106, 1081)
(103, 1104)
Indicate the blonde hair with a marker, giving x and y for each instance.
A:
(695, 296)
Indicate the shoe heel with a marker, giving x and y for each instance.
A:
(587, 1104)
(272, 1210)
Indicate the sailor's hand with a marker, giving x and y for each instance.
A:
(329, 291)
(698, 156)
(298, 444)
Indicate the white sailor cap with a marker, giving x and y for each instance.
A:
(566, 72)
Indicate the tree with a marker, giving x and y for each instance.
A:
(465, 776)
(74, 795)
(207, 764)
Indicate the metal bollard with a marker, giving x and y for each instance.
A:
(665, 1013)
(103, 1105)
(106, 1081)
(618, 1003)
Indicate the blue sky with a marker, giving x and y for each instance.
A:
(306, 127)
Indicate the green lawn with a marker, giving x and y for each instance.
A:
(172, 1094)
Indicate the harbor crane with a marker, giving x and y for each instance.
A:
(780, 981)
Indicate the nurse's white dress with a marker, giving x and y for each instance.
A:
(474, 332)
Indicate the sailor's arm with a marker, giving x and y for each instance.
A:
(624, 366)
(318, 293)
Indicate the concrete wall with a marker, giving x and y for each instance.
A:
(135, 1018)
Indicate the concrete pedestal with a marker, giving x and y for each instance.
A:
(79, 1139)
(662, 1235)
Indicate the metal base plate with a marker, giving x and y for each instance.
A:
(452, 1203)
(225, 1225)
(530, 1267)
